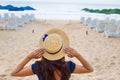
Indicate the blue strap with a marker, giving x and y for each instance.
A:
(45, 37)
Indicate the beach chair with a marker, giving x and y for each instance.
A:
(82, 19)
(6, 16)
(117, 23)
(112, 21)
(100, 27)
(12, 24)
(107, 20)
(15, 18)
(2, 23)
(1, 19)
(118, 26)
(21, 20)
(12, 16)
(32, 17)
(88, 20)
(111, 31)
(26, 18)
(93, 23)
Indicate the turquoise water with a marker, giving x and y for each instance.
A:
(55, 10)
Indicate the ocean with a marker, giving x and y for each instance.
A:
(56, 10)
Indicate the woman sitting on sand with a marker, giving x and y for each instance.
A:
(54, 45)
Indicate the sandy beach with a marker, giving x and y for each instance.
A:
(101, 52)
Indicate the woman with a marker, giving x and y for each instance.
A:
(54, 45)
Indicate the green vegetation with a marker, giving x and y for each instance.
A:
(104, 11)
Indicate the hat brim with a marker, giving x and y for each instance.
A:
(65, 39)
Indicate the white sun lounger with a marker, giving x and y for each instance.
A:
(100, 26)
(1, 19)
(12, 24)
(6, 16)
(111, 31)
(93, 23)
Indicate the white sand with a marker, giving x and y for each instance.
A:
(102, 53)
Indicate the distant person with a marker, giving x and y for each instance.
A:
(54, 45)
(33, 31)
(86, 32)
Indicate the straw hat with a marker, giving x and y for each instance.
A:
(53, 42)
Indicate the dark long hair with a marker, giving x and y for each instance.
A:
(48, 69)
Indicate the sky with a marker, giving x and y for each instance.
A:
(117, 2)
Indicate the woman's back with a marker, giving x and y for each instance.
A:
(52, 69)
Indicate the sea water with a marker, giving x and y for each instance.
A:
(56, 10)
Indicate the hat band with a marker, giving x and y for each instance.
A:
(56, 51)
